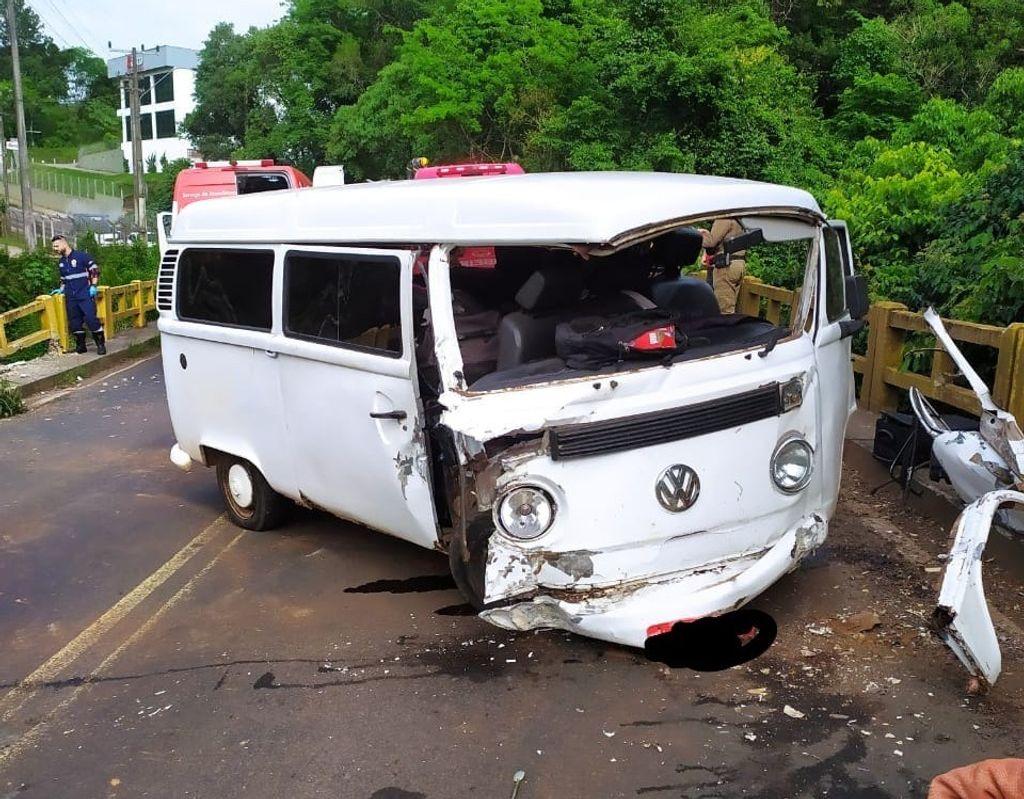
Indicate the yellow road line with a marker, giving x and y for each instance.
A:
(49, 670)
(34, 733)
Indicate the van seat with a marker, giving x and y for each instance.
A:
(690, 297)
(550, 296)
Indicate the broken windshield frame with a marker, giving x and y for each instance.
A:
(782, 228)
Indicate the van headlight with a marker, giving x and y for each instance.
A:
(792, 464)
(525, 512)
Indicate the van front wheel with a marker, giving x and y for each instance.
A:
(250, 501)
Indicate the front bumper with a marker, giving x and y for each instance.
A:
(625, 614)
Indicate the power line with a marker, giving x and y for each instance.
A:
(81, 24)
(52, 29)
(67, 22)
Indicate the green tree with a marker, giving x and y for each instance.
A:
(650, 84)
(272, 92)
(225, 91)
(894, 198)
(975, 269)
(1005, 100)
(875, 104)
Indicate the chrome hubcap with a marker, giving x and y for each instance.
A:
(240, 485)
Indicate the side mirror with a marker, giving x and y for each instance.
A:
(857, 296)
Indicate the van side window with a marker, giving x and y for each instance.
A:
(255, 182)
(835, 292)
(226, 287)
(345, 300)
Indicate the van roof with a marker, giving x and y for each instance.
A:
(603, 208)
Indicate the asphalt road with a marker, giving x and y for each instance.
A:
(149, 648)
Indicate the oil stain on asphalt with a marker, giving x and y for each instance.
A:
(410, 585)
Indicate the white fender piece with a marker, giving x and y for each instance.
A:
(181, 459)
(961, 616)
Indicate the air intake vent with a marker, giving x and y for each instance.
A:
(165, 281)
(660, 427)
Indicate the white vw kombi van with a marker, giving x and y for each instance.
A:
(402, 355)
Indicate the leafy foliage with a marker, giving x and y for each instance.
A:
(904, 117)
(58, 85)
(11, 402)
(25, 276)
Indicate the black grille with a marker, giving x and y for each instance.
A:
(165, 281)
(660, 427)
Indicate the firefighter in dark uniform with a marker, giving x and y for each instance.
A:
(79, 277)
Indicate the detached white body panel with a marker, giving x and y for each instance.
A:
(961, 614)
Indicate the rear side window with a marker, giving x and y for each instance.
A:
(835, 290)
(226, 287)
(345, 300)
(261, 181)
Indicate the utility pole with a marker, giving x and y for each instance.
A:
(140, 180)
(3, 172)
(23, 163)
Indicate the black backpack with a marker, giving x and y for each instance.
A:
(593, 342)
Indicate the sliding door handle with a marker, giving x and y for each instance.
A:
(396, 415)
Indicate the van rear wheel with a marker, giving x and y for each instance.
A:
(251, 502)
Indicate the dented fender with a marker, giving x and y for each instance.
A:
(961, 616)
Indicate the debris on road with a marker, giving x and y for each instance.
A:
(517, 780)
(862, 622)
(792, 712)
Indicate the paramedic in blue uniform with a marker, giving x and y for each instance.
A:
(79, 277)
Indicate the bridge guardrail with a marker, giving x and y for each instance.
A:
(113, 305)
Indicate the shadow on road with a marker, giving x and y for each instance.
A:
(714, 644)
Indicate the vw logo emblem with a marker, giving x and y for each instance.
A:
(677, 488)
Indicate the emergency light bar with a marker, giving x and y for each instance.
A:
(470, 170)
(251, 162)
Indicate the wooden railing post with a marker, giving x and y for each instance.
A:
(885, 351)
(105, 310)
(140, 313)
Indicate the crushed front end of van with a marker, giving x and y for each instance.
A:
(594, 529)
(621, 503)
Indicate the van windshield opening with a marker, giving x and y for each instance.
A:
(532, 314)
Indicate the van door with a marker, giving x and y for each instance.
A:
(836, 395)
(223, 387)
(351, 398)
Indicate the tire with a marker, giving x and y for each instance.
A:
(468, 573)
(250, 501)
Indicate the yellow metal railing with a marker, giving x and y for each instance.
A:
(114, 304)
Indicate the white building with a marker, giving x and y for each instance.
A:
(166, 86)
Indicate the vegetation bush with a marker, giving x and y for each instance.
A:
(11, 402)
(32, 273)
